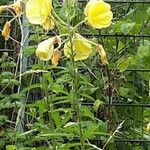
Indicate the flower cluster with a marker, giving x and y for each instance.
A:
(39, 12)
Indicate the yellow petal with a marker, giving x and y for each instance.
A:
(6, 31)
(102, 53)
(1, 8)
(56, 57)
(81, 48)
(37, 11)
(45, 49)
(98, 14)
(86, 10)
(48, 24)
(148, 128)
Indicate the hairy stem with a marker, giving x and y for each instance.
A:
(49, 108)
(75, 87)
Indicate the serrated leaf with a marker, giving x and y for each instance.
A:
(127, 28)
(28, 51)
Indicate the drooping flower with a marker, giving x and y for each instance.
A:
(6, 31)
(45, 49)
(81, 48)
(37, 11)
(102, 54)
(48, 24)
(98, 14)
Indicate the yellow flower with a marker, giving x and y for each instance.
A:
(81, 48)
(37, 11)
(45, 49)
(48, 24)
(98, 14)
(56, 57)
(6, 31)
(148, 128)
(102, 54)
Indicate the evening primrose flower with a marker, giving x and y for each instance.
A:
(37, 11)
(45, 49)
(6, 31)
(98, 14)
(81, 48)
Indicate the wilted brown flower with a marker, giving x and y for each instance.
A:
(56, 57)
(6, 31)
(102, 53)
(17, 8)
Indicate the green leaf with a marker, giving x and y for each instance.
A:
(31, 87)
(124, 63)
(56, 117)
(6, 75)
(143, 51)
(11, 147)
(28, 51)
(123, 91)
(97, 104)
(127, 28)
(148, 11)
(10, 82)
(120, 47)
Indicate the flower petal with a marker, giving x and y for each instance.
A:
(45, 49)
(81, 48)
(98, 14)
(37, 11)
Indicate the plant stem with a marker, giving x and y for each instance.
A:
(75, 87)
(49, 109)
